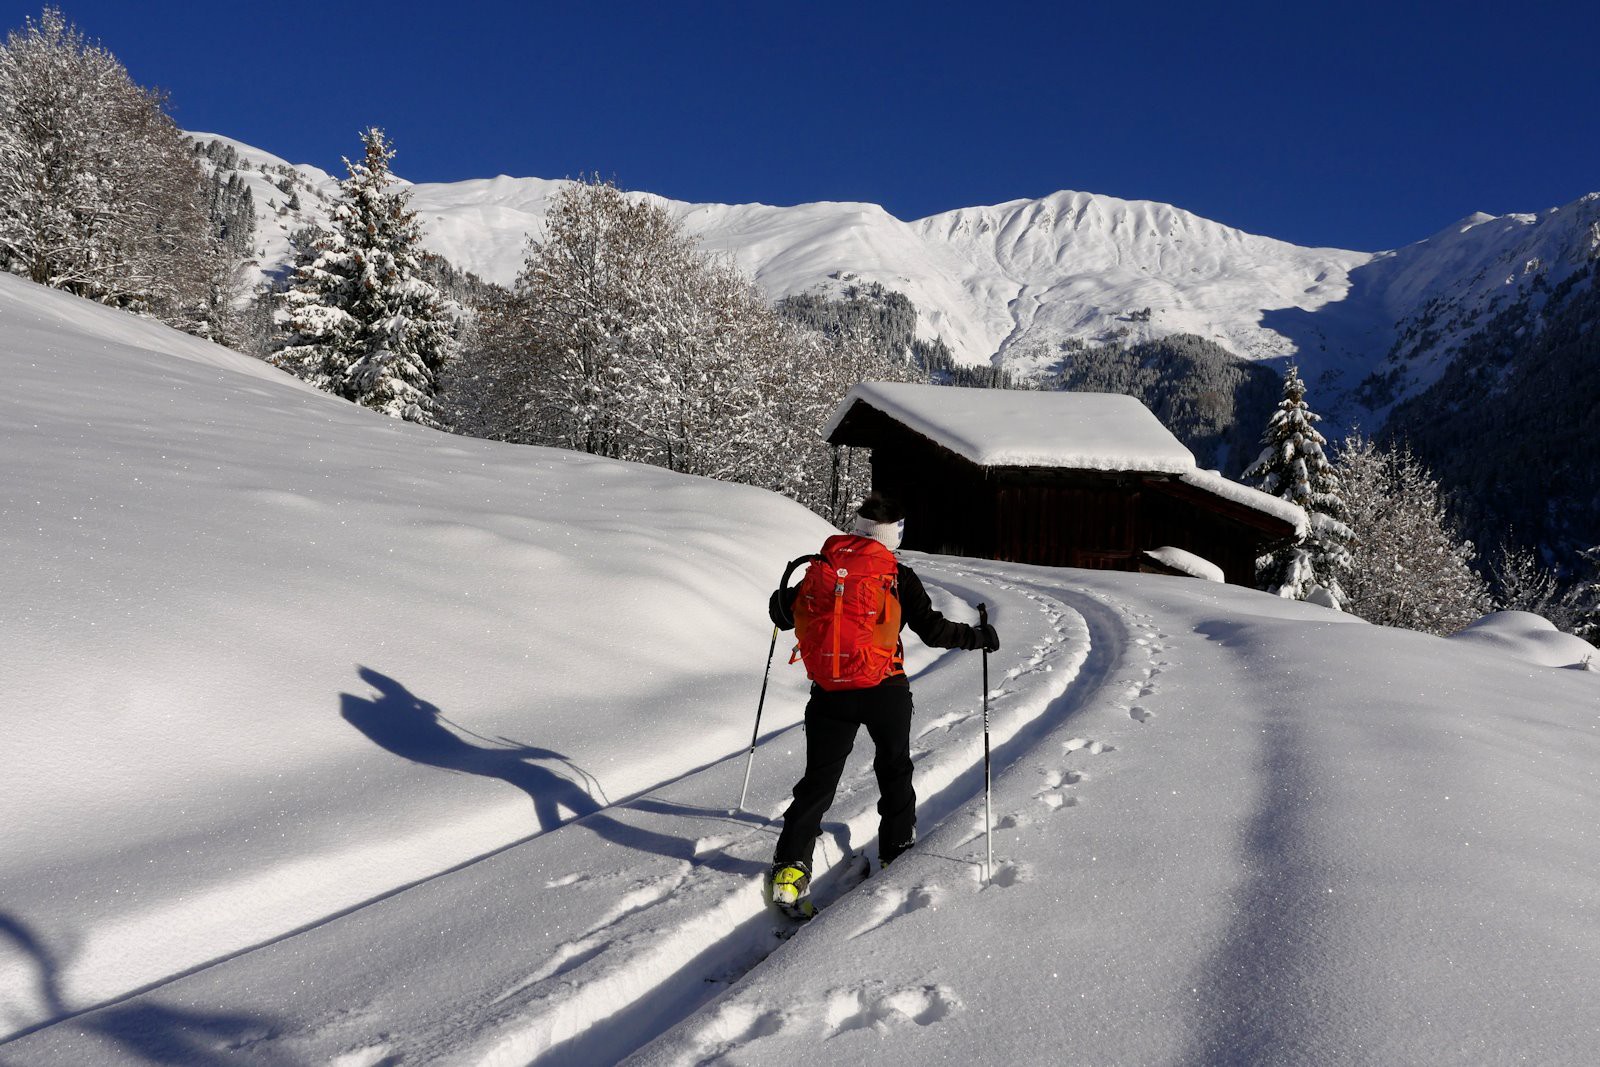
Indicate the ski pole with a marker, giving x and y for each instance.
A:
(988, 815)
(751, 759)
(783, 583)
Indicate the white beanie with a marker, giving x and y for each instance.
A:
(889, 533)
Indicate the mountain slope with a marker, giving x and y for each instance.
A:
(1014, 280)
(1039, 287)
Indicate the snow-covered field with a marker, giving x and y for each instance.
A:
(331, 740)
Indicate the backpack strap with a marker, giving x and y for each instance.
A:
(794, 564)
(783, 584)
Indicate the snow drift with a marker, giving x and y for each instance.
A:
(240, 609)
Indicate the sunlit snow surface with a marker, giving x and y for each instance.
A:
(432, 744)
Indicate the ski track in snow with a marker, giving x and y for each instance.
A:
(629, 931)
(1123, 653)
(674, 973)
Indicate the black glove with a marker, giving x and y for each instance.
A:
(982, 637)
(991, 640)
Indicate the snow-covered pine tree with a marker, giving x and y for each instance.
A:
(360, 319)
(1409, 568)
(1294, 466)
(320, 337)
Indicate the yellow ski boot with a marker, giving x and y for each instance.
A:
(788, 890)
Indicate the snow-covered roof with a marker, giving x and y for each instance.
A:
(1214, 483)
(1023, 428)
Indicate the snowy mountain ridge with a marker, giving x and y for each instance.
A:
(1012, 282)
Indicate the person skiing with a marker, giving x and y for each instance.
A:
(858, 679)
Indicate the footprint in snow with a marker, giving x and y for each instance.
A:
(892, 902)
(1055, 796)
(1007, 875)
(712, 844)
(735, 1026)
(1055, 799)
(873, 1006)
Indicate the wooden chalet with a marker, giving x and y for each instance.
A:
(1061, 479)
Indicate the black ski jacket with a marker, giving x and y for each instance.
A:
(916, 611)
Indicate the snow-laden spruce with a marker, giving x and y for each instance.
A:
(360, 320)
(1292, 465)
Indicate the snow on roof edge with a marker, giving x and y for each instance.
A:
(1255, 499)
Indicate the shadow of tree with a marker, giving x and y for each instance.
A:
(398, 721)
(152, 1032)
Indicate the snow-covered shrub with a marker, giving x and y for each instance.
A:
(99, 194)
(623, 338)
(1408, 566)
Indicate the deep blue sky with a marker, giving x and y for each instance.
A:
(1355, 124)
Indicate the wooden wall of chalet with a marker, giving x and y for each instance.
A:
(1048, 516)
(1067, 519)
(950, 503)
(1228, 535)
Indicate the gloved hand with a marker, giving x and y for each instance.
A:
(982, 637)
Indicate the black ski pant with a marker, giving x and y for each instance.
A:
(832, 720)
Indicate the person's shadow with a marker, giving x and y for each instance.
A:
(399, 721)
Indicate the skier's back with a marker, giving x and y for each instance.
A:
(874, 692)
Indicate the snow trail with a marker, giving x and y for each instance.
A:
(636, 914)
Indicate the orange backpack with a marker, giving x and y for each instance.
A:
(847, 614)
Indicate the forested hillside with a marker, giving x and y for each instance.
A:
(1510, 426)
